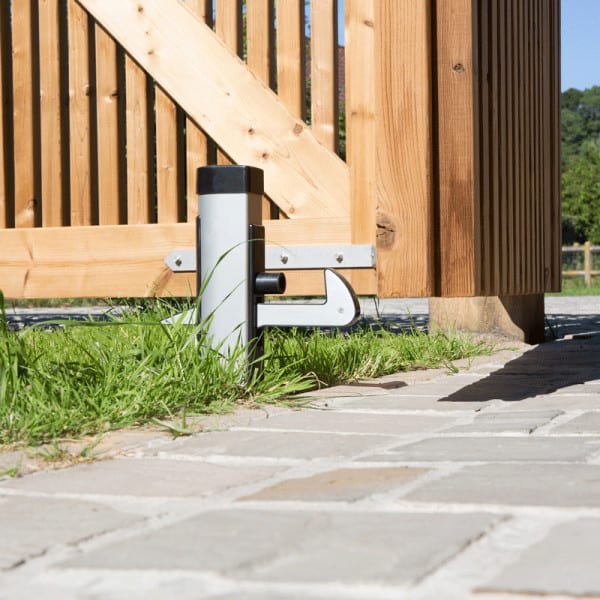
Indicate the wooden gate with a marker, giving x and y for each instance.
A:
(432, 134)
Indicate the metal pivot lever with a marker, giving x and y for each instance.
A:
(341, 308)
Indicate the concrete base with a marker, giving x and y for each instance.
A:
(517, 317)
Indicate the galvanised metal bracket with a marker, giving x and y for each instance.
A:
(230, 262)
(330, 256)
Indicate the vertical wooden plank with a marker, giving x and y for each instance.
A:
(291, 55)
(503, 124)
(228, 26)
(4, 135)
(323, 72)
(197, 142)
(484, 154)
(50, 113)
(23, 114)
(109, 210)
(79, 116)
(522, 176)
(458, 212)
(556, 139)
(166, 158)
(260, 46)
(136, 107)
(404, 187)
(546, 56)
(361, 126)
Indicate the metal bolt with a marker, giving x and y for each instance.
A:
(178, 261)
(284, 258)
(339, 257)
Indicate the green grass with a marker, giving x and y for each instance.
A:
(575, 286)
(91, 377)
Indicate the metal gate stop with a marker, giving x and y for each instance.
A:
(230, 263)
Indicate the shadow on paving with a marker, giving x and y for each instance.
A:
(561, 364)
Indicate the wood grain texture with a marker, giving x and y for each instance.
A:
(107, 93)
(458, 210)
(323, 72)
(404, 149)
(361, 123)
(50, 114)
(230, 104)
(138, 144)
(79, 116)
(4, 134)
(291, 83)
(167, 165)
(23, 114)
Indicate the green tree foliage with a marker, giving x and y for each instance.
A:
(580, 123)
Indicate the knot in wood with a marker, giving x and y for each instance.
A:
(458, 68)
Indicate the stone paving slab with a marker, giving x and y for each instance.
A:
(306, 546)
(588, 422)
(494, 449)
(573, 550)
(339, 422)
(527, 484)
(508, 422)
(274, 445)
(142, 477)
(30, 526)
(340, 485)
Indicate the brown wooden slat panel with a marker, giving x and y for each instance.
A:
(197, 143)
(79, 116)
(50, 114)
(291, 56)
(361, 124)
(323, 72)
(404, 189)
(166, 158)
(4, 134)
(23, 114)
(301, 176)
(138, 146)
(459, 259)
(109, 209)
(228, 26)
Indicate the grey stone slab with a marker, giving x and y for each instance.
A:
(359, 422)
(29, 526)
(556, 400)
(403, 402)
(275, 444)
(508, 422)
(143, 477)
(493, 448)
(299, 546)
(587, 423)
(533, 484)
(565, 562)
(341, 485)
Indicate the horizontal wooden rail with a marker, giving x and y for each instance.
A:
(587, 273)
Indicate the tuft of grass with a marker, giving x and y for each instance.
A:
(80, 378)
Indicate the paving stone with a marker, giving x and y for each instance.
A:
(535, 484)
(556, 400)
(29, 526)
(313, 420)
(143, 477)
(275, 444)
(343, 485)
(587, 423)
(403, 402)
(302, 546)
(505, 421)
(565, 562)
(498, 448)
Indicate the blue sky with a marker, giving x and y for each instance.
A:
(580, 44)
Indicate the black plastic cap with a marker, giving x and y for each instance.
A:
(229, 179)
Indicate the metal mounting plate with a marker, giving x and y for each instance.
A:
(346, 256)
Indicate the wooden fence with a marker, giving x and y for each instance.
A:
(451, 138)
(588, 263)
